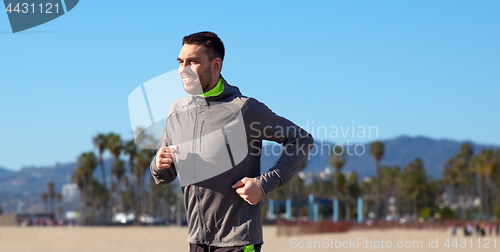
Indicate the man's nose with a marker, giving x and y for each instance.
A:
(187, 69)
(184, 67)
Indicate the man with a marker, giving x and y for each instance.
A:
(212, 140)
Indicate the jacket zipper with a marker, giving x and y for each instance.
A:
(203, 229)
(197, 191)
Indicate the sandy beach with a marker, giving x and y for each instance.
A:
(150, 239)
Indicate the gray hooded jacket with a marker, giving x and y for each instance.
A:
(220, 142)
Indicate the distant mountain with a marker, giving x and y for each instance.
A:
(399, 151)
(25, 187)
(31, 180)
(4, 170)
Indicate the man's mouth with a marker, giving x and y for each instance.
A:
(187, 79)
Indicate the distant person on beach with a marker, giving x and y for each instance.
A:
(468, 229)
(202, 137)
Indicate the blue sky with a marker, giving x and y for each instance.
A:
(407, 67)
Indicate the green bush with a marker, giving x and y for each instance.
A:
(446, 213)
(424, 213)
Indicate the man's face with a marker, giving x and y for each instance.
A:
(195, 69)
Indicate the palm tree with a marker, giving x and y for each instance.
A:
(100, 142)
(377, 152)
(389, 182)
(465, 173)
(496, 184)
(337, 160)
(45, 197)
(114, 145)
(368, 188)
(451, 174)
(131, 150)
(484, 164)
(127, 196)
(98, 196)
(79, 179)
(385, 181)
(51, 194)
(353, 191)
(82, 176)
(296, 186)
(118, 170)
(148, 156)
(142, 162)
(415, 182)
(459, 174)
(59, 197)
(137, 171)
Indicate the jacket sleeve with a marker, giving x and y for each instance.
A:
(263, 124)
(165, 176)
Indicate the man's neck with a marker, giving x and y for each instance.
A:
(212, 85)
(216, 90)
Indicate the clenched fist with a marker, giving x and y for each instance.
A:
(249, 190)
(165, 157)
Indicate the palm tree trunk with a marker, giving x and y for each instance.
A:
(415, 208)
(296, 195)
(487, 195)
(481, 208)
(347, 210)
(495, 198)
(119, 200)
(83, 209)
(379, 198)
(103, 174)
(491, 197)
(101, 164)
(143, 195)
(464, 201)
(387, 195)
(337, 183)
(136, 200)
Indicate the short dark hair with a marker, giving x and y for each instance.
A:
(210, 40)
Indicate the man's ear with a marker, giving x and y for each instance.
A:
(217, 66)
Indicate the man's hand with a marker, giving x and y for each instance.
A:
(249, 190)
(165, 157)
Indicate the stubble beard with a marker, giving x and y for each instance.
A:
(205, 79)
(201, 83)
